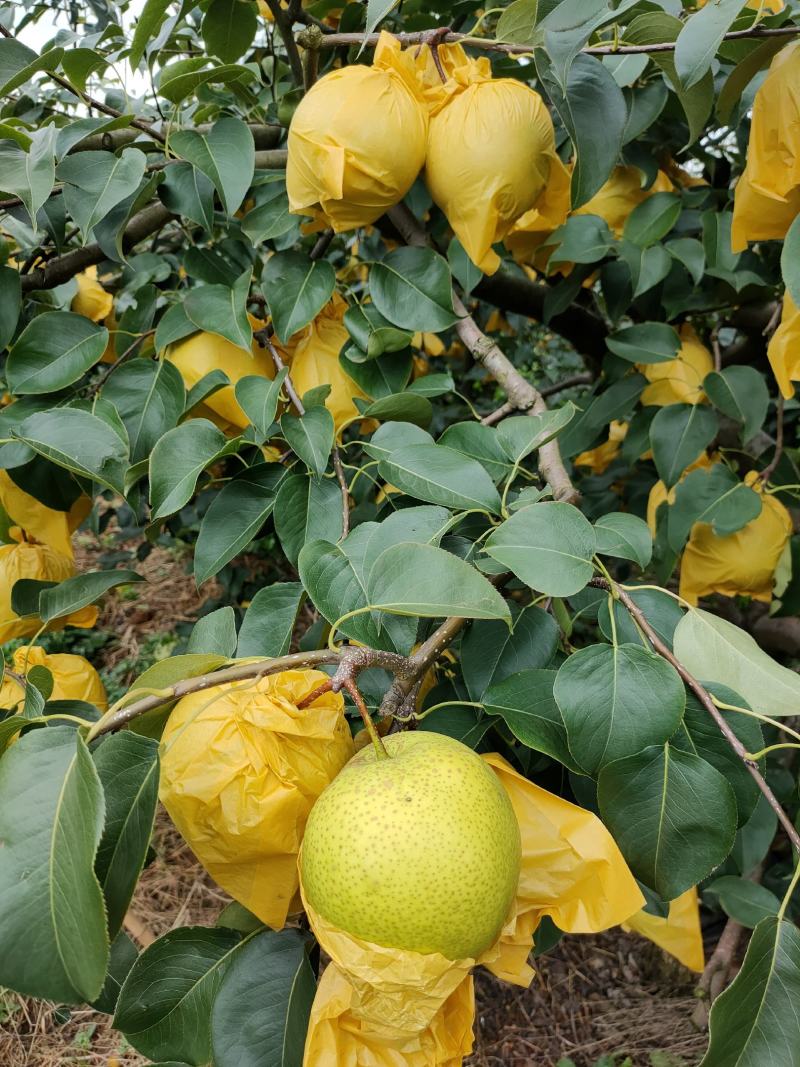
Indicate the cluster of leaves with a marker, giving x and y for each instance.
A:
(180, 198)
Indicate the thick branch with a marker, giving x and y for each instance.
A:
(265, 135)
(338, 40)
(705, 699)
(284, 24)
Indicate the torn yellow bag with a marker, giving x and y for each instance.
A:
(784, 348)
(198, 355)
(743, 563)
(571, 870)
(772, 171)
(491, 150)
(29, 560)
(357, 140)
(679, 933)
(679, 380)
(621, 194)
(314, 354)
(39, 522)
(74, 678)
(241, 767)
(599, 459)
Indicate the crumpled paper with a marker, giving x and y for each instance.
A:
(623, 192)
(349, 163)
(74, 678)
(241, 768)
(30, 560)
(491, 150)
(39, 522)
(679, 380)
(571, 870)
(679, 933)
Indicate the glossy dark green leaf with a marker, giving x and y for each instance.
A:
(379, 377)
(480, 443)
(412, 288)
(616, 700)
(372, 333)
(178, 460)
(310, 437)
(82, 443)
(652, 220)
(165, 1003)
(269, 220)
(187, 191)
(28, 174)
(525, 702)
(10, 304)
(127, 766)
(647, 342)
(740, 393)
(714, 496)
(18, 63)
(625, 537)
(746, 902)
(180, 79)
(755, 1021)
(269, 621)
(149, 396)
(215, 633)
(582, 239)
(679, 433)
(490, 652)
(228, 28)
(95, 182)
(147, 25)
(549, 546)
(297, 288)
(250, 496)
(260, 1014)
(258, 398)
(121, 958)
(226, 155)
(307, 509)
(222, 310)
(53, 351)
(439, 475)
(672, 814)
(401, 407)
(75, 593)
(52, 924)
(700, 38)
(520, 435)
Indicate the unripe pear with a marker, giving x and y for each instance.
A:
(417, 851)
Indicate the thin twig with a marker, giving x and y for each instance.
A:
(322, 244)
(546, 390)
(342, 480)
(705, 699)
(129, 351)
(769, 470)
(284, 25)
(339, 40)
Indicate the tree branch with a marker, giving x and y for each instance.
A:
(486, 44)
(284, 24)
(705, 699)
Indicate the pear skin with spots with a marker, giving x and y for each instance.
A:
(420, 851)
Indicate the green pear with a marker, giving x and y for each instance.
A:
(419, 851)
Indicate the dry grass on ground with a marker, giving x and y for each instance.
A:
(591, 997)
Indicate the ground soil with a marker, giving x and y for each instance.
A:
(592, 996)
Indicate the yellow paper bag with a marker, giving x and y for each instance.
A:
(679, 934)
(599, 459)
(679, 380)
(28, 560)
(784, 348)
(621, 194)
(74, 678)
(91, 300)
(39, 522)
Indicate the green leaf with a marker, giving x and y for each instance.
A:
(297, 288)
(652, 220)
(215, 633)
(269, 621)
(310, 437)
(260, 1014)
(689, 252)
(625, 537)
(185, 190)
(590, 90)
(372, 333)
(490, 652)
(412, 288)
(525, 702)
(185, 76)
(615, 700)
(52, 923)
(53, 351)
(654, 28)
(716, 650)
(672, 814)
(222, 310)
(95, 182)
(520, 435)
(392, 436)
(250, 497)
(377, 10)
(698, 733)
(78, 441)
(480, 443)
(463, 269)
(401, 407)
(518, 22)
(740, 393)
(700, 38)
(754, 839)
(269, 220)
(647, 342)
(379, 377)
(440, 476)
(165, 1003)
(746, 902)
(421, 525)
(743, 73)
(178, 460)
(226, 155)
(228, 28)
(307, 509)
(754, 1021)
(75, 593)
(149, 396)
(127, 766)
(258, 398)
(423, 580)
(122, 957)
(680, 433)
(549, 546)
(147, 26)
(167, 672)
(714, 496)
(582, 239)
(10, 304)
(18, 64)
(28, 174)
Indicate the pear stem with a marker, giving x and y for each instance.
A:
(358, 700)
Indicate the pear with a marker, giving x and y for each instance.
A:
(418, 851)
